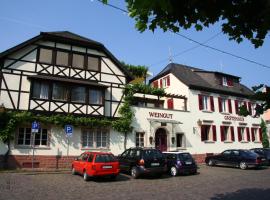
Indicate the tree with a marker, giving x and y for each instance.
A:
(239, 19)
(265, 140)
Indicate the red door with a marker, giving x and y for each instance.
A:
(161, 139)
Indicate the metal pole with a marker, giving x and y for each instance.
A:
(68, 152)
(33, 146)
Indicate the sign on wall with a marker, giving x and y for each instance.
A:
(234, 118)
(68, 130)
(35, 126)
(161, 115)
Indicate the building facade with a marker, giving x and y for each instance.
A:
(64, 73)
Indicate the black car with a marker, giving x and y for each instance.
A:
(180, 163)
(236, 157)
(139, 161)
(263, 152)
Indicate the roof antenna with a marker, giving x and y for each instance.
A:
(221, 66)
(170, 55)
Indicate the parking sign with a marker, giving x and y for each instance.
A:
(68, 130)
(35, 126)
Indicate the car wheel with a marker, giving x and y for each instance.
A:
(173, 171)
(73, 172)
(210, 162)
(134, 172)
(85, 176)
(243, 165)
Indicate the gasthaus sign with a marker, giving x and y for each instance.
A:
(161, 115)
(234, 118)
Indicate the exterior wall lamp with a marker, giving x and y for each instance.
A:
(199, 122)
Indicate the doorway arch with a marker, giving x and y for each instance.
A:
(161, 139)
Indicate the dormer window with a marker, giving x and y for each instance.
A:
(228, 82)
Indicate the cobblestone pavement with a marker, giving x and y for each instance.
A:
(215, 183)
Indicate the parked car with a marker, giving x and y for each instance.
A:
(93, 164)
(263, 152)
(236, 157)
(139, 161)
(180, 163)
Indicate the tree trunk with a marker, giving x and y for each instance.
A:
(125, 141)
(6, 156)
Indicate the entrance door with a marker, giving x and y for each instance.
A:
(161, 139)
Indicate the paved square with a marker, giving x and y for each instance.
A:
(216, 183)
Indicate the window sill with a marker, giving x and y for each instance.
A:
(244, 141)
(209, 141)
(89, 148)
(181, 148)
(225, 113)
(228, 141)
(207, 111)
(30, 147)
(257, 141)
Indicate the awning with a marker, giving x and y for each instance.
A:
(67, 80)
(164, 121)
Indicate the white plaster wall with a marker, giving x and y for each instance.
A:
(3, 148)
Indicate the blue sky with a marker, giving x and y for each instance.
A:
(21, 20)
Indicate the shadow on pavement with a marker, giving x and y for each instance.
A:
(119, 178)
(245, 194)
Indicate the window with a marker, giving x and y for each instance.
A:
(60, 92)
(95, 97)
(180, 140)
(40, 90)
(224, 81)
(243, 134)
(105, 158)
(208, 133)
(224, 105)
(45, 56)
(41, 138)
(206, 103)
(78, 94)
(78, 61)
(62, 58)
(170, 103)
(139, 139)
(95, 138)
(93, 63)
(25, 137)
(164, 82)
(227, 133)
(155, 84)
(255, 134)
(226, 153)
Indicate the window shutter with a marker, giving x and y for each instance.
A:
(222, 133)
(160, 82)
(170, 103)
(212, 103)
(219, 104)
(230, 82)
(230, 105)
(260, 133)
(239, 134)
(200, 102)
(214, 132)
(232, 133)
(168, 80)
(236, 106)
(245, 104)
(203, 134)
(249, 108)
(248, 135)
(155, 84)
(252, 134)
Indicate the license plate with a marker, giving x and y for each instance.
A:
(154, 164)
(107, 167)
(263, 159)
(188, 163)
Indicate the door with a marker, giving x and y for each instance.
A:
(123, 160)
(161, 139)
(225, 158)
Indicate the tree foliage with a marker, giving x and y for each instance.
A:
(239, 19)
(265, 139)
(136, 71)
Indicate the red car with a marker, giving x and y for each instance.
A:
(92, 164)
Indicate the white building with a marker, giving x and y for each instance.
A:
(64, 73)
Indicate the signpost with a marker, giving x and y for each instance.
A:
(35, 128)
(69, 132)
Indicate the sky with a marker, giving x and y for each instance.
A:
(21, 20)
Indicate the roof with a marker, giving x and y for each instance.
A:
(69, 38)
(195, 78)
(54, 78)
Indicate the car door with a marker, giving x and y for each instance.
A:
(224, 158)
(235, 158)
(81, 163)
(76, 163)
(123, 160)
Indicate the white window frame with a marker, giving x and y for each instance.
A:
(139, 139)
(95, 135)
(224, 105)
(224, 81)
(227, 134)
(32, 137)
(206, 103)
(243, 134)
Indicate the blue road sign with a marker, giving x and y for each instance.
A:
(68, 130)
(35, 126)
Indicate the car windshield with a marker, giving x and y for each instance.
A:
(152, 153)
(105, 158)
(184, 156)
(249, 153)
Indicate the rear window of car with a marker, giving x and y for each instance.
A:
(105, 158)
(152, 153)
(184, 156)
(249, 153)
